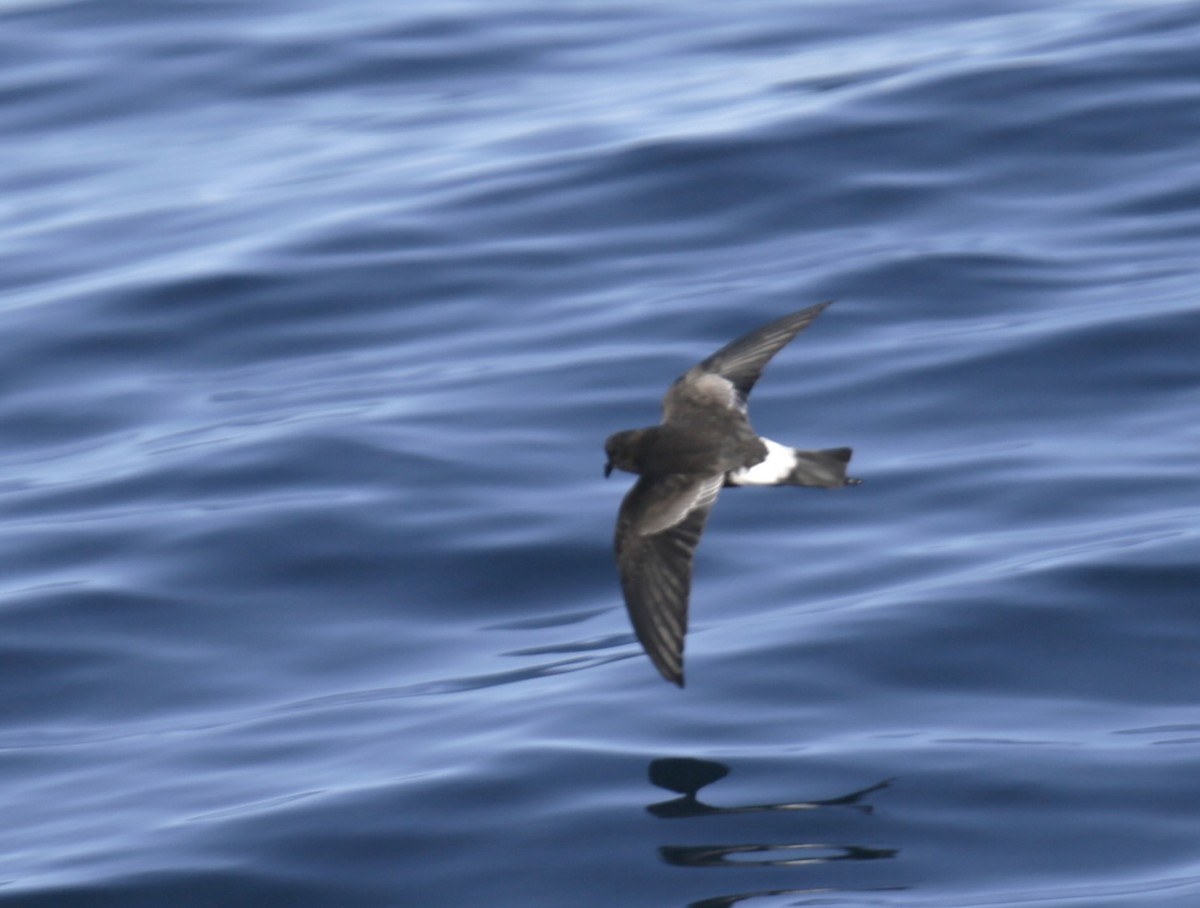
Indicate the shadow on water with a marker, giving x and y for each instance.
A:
(686, 776)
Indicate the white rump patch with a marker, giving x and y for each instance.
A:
(780, 462)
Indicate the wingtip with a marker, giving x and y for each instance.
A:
(671, 674)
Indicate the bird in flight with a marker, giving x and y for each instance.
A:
(704, 443)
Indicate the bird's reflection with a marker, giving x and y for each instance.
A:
(686, 776)
(795, 855)
(725, 901)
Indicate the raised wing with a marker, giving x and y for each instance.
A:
(743, 360)
(658, 529)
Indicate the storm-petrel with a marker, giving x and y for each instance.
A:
(704, 442)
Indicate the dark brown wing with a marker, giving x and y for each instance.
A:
(743, 360)
(658, 529)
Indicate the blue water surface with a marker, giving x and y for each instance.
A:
(314, 317)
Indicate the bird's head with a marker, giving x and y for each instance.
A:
(621, 448)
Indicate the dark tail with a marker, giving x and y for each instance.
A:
(825, 468)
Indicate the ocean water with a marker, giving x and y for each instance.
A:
(314, 318)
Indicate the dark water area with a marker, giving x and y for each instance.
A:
(314, 318)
